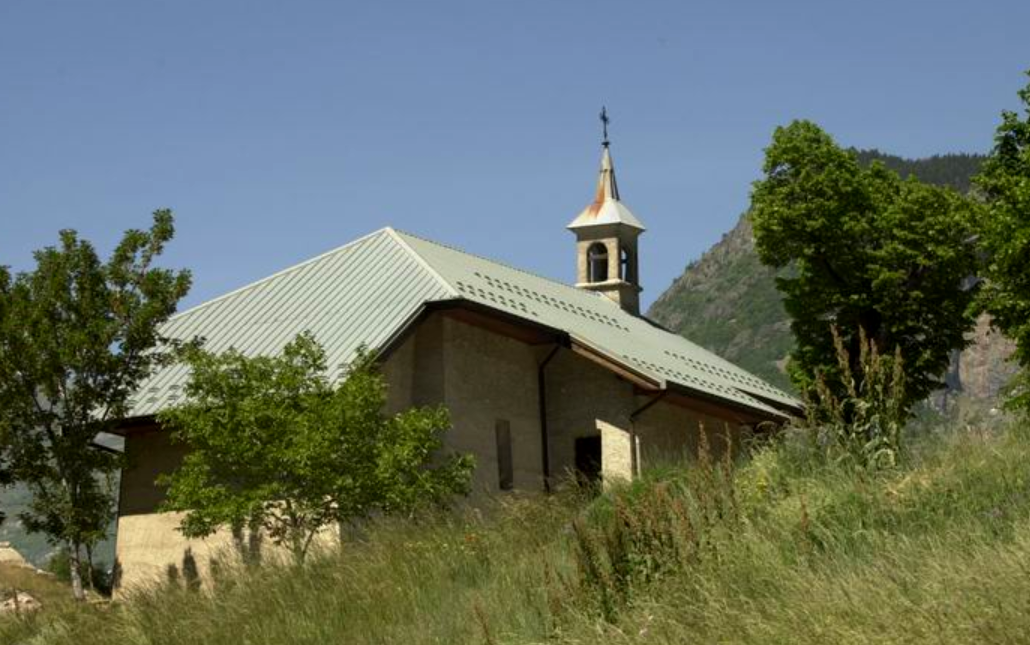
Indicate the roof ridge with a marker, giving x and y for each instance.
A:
(397, 236)
(566, 285)
(289, 269)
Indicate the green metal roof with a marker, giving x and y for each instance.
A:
(369, 291)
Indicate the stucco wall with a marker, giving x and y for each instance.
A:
(487, 378)
(481, 378)
(616, 453)
(148, 543)
(580, 394)
(149, 547)
(667, 432)
(398, 370)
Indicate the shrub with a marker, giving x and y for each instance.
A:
(665, 523)
(863, 426)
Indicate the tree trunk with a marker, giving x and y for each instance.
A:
(89, 568)
(76, 574)
(307, 545)
(296, 537)
(297, 545)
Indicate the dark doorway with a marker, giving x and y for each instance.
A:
(588, 458)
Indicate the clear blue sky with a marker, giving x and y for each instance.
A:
(280, 130)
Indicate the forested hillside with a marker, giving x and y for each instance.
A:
(727, 301)
(955, 170)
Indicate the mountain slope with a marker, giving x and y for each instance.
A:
(727, 301)
(34, 546)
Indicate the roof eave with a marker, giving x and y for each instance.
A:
(763, 413)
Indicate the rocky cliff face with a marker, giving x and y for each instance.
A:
(983, 369)
(727, 302)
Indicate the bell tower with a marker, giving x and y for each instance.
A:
(606, 239)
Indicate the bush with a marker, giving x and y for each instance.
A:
(863, 427)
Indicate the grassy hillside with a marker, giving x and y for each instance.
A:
(52, 594)
(780, 549)
(728, 302)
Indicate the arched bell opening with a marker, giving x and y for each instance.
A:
(597, 262)
(627, 265)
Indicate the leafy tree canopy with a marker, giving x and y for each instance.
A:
(1005, 184)
(77, 335)
(869, 251)
(274, 443)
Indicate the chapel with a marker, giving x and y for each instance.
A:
(543, 380)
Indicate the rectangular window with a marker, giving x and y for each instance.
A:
(505, 469)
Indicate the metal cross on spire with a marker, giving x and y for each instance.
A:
(604, 125)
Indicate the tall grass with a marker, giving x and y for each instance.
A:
(938, 552)
(779, 548)
(421, 582)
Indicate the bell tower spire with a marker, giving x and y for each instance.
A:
(606, 238)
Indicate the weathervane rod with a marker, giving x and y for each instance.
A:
(604, 125)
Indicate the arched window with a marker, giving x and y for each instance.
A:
(597, 262)
(627, 269)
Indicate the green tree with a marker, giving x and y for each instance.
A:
(5, 474)
(274, 443)
(77, 336)
(1005, 184)
(868, 251)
